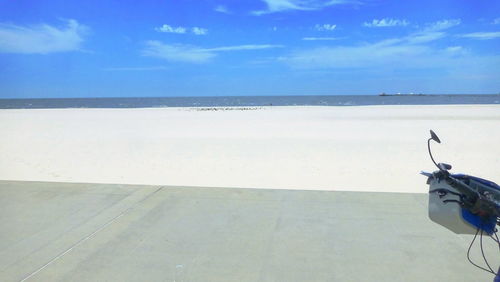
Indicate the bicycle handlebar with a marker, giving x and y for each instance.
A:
(473, 200)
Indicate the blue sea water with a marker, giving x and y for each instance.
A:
(248, 101)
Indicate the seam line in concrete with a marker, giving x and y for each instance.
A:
(81, 241)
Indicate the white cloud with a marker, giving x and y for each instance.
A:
(496, 21)
(244, 47)
(42, 38)
(199, 30)
(325, 27)
(387, 22)
(320, 38)
(431, 32)
(274, 6)
(282, 5)
(455, 49)
(176, 52)
(423, 37)
(442, 25)
(409, 51)
(482, 35)
(412, 64)
(222, 9)
(353, 56)
(192, 54)
(419, 37)
(181, 30)
(381, 58)
(169, 29)
(154, 68)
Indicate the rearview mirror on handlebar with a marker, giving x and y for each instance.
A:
(435, 137)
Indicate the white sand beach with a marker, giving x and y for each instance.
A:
(99, 232)
(369, 148)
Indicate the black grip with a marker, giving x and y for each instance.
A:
(470, 194)
(472, 200)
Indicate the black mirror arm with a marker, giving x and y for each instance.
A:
(430, 154)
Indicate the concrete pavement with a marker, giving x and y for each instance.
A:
(101, 232)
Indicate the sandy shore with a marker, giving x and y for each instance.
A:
(372, 148)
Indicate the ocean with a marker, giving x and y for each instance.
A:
(248, 101)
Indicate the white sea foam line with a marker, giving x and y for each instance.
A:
(86, 238)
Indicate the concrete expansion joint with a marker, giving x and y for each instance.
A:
(81, 241)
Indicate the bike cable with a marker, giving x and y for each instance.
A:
(496, 240)
(468, 255)
(482, 252)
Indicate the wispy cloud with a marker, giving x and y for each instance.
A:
(482, 35)
(153, 68)
(387, 22)
(243, 47)
(342, 57)
(320, 38)
(222, 9)
(181, 30)
(325, 27)
(199, 30)
(177, 52)
(274, 6)
(193, 54)
(394, 51)
(455, 49)
(442, 25)
(496, 21)
(170, 29)
(432, 31)
(41, 38)
(423, 37)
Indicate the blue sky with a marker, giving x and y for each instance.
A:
(247, 47)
